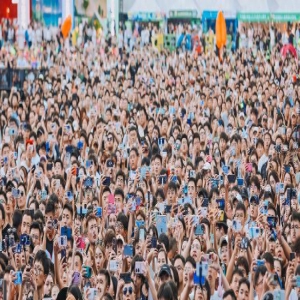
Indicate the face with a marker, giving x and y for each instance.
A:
(92, 231)
(39, 275)
(99, 258)
(179, 267)
(295, 230)
(66, 218)
(188, 268)
(48, 285)
(235, 283)
(259, 285)
(128, 291)
(196, 250)
(26, 222)
(101, 285)
(161, 259)
(35, 236)
(243, 292)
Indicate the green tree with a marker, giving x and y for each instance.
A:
(85, 4)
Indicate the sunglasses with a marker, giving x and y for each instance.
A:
(129, 290)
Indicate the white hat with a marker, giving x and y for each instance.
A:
(207, 166)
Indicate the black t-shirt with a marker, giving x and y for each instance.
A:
(291, 38)
(4, 231)
(49, 246)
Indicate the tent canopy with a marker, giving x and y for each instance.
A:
(145, 7)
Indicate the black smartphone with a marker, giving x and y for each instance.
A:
(231, 178)
(126, 277)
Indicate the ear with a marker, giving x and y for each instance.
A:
(45, 277)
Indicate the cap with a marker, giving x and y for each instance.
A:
(221, 122)
(223, 240)
(244, 194)
(120, 239)
(254, 199)
(206, 166)
(164, 269)
(242, 115)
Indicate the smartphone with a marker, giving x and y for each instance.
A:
(128, 250)
(292, 256)
(192, 174)
(139, 267)
(240, 181)
(287, 168)
(126, 277)
(199, 230)
(109, 163)
(236, 225)
(67, 231)
(205, 202)
(106, 181)
(271, 221)
(99, 212)
(221, 204)
(49, 166)
(18, 280)
(88, 163)
(142, 234)
(76, 278)
(254, 232)
(88, 182)
(225, 169)
(244, 243)
(62, 241)
(168, 209)
(260, 262)
(153, 242)
(16, 193)
(279, 188)
(201, 273)
(162, 179)
(231, 178)
(249, 167)
(88, 271)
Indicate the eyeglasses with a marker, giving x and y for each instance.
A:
(187, 270)
(37, 271)
(34, 237)
(197, 247)
(179, 268)
(109, 139)
(129, 290)
(296, 227)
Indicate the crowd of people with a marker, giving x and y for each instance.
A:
(138, 174)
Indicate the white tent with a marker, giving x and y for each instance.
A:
(231, 6)
(180, 5)
(141, 6)
(284, 6)
(254, 6)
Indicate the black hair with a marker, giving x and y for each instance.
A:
(50, 207)
(168, 291)
(17, 218)
(75, 291)
(163, 239)
(229, 293)
(260, 270)
(242, 261)
(268, 257)
(68, 207)
(41, 257)
(2, 211)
